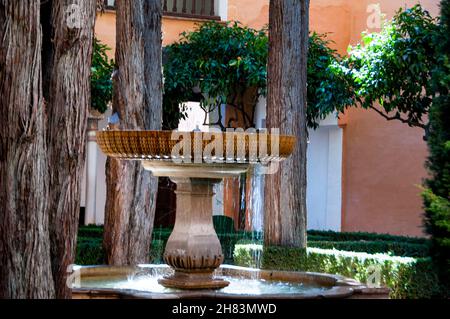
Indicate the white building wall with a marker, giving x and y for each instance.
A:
(324, 169)
(101, 179)
(95, 214)
(222, 9)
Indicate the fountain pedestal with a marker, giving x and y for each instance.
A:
(193, 249)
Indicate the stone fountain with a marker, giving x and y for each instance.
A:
(195, 161)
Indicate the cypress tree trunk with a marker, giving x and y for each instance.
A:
(25, 270)
(131, 191)
(285, 191)
(67, 90)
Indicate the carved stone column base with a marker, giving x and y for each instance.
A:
(193, 249)
(182, 280)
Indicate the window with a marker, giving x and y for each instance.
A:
(200, 9)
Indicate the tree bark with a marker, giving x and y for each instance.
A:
(25, 270)
(131, 191)
(67, 91)
(285, 191)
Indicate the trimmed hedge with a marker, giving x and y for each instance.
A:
(89, 251)
(224, 226)
(91, 231)
(407, 277)
(358, 242)
(157, 251)
(316, 235)
(374, 247)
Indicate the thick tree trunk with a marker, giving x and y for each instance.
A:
(131, 191)
(285, 191)
(25, 270)
(67, 91)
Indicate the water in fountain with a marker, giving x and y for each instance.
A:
(148, 282)
(256, 202)
(256, 211)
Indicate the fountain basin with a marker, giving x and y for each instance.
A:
(141, 282)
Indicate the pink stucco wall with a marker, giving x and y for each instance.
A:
(383, 161)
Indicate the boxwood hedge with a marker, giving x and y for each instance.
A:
(358, 242)
(406, 277)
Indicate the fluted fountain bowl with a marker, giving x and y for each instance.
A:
(159, 145)
(192, 154)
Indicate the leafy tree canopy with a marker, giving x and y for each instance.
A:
(220, 60)
(328, 88)
(394, 67)
(101, 77)
(216, 60)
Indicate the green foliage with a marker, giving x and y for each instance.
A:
(89, 251)
(223, 60)
(375, 247)
(416, 282)
(406, 277)
(228, 239)
(370, 243)
(360, 242)
(360, 236)
(161, 233)
(248, 254)
(437, 195)
(157, 251)
(101, 77)
(220, 59)
(328, 88)
(394, 67)
(392, 248)
(90, 231)
(437, 223)
(223, 224)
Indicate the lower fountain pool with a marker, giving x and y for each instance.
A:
(142, 282)
(238, 286)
